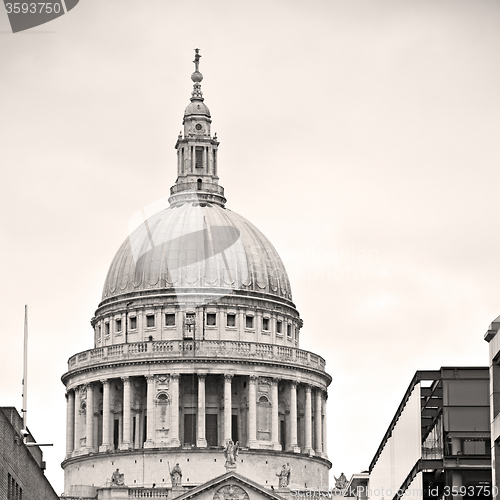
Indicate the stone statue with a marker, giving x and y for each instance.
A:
(284, 476)
(176, 475)
(117, 479)
(341, 482)
(196, 59)
(231, 452)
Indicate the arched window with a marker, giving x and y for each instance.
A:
(199, 184)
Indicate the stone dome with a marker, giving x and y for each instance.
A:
(197, 108)
(201, 249)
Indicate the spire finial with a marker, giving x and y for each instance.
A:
(197, 60)
(197, 77)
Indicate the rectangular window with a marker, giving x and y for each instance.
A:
(118, 324)
(249, 321)
(170, 319)
(199, 157)
(278, 326)
(133, 323)
(211, 319)
(99, 332)
(106, 328)
(150, 320)
(231, 320)
(289, 330)
(265, 324)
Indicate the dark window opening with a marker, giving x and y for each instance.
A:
(133, 323)
(211, 319)
(289, 330)
(106, 328)
(278, 326)
(170, 319)
(249, 321)
(265, 324)
(199, 157)
(189, 429)
(118, 324)
(231, 320)
(150, 320)
(234, 428)
(116, 433)
(199, 185)
(211, 429)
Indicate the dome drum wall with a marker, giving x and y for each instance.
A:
(151, 466)
(162, 317)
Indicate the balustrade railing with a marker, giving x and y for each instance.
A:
(197, 348)
(147, 493)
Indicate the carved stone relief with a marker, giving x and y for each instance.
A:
(231, 492)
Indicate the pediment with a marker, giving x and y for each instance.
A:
(230, 486)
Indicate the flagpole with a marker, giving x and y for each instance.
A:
(25, 371)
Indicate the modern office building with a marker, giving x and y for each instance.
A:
(196, 351)
(493, 340)
(438, 443)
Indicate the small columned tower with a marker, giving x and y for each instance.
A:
(196, 348)
(197, 152)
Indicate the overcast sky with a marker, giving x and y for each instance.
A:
(360, 136)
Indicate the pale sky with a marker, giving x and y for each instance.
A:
(360, 136)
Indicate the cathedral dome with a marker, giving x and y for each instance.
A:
(194, 248)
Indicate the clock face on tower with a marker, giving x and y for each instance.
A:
(198, 126)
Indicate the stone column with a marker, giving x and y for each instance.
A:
(70, 423)
(137, 437)
(77, 433)
(308, 421)
(106, 417)
(150, 398)
(325, 453)
(127, 437)
(174, 378)
(293, 446)
(252, 411)
(274, 414)
(89, 430)
(227, 407)
(319, 424)
(201, 441)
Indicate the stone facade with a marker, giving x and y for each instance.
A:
(196, 344)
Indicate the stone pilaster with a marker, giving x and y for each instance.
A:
(274, 414)
(70, 423)
(106, 417)
(252, 411)
(308, 421)
(325, 435)
(318, 423)
(174, 378)
(201, 441)
(127, 415)
(89, 430)
(227, 407)
(293, 445)
(150, 412)
(77, 433)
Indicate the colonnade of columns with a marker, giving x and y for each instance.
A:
(314, 398)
